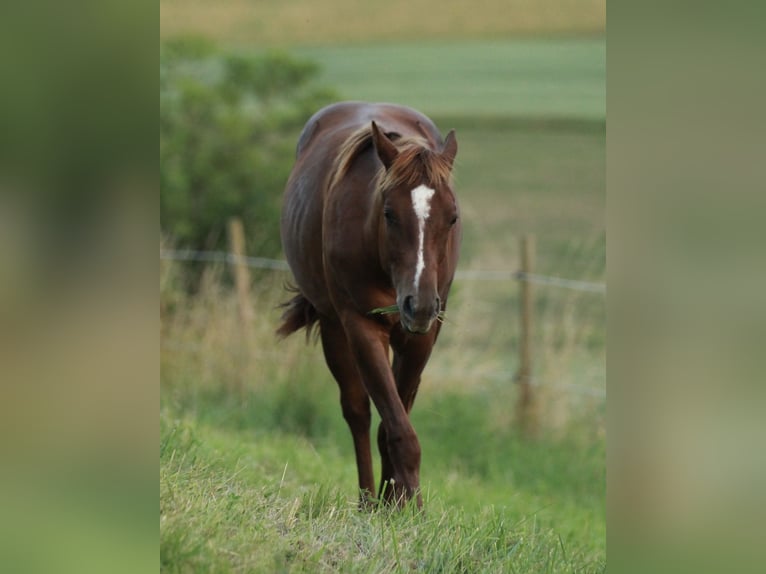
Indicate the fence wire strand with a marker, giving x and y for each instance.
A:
(218, 256)
(466, 275)
(575, 284)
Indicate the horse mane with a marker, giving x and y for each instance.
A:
(416, 161)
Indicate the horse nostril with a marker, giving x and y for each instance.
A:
(407, 306)
(438, 305)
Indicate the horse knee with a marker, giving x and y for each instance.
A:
(406, 449)
(357, 414)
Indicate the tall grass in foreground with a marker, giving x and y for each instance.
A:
(257, 471)
(223, 510)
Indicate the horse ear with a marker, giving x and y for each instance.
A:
(449, 149)
(384, 147)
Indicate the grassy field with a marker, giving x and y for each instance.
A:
(475, 80)
(307, 23)
(238, 497)
(257, 471)
(256, 467)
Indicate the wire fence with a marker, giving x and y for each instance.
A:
(225, 257)
(466, 275)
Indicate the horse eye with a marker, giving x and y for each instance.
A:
(453, 221)
(389, 215)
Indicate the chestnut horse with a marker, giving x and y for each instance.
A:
(370, 220)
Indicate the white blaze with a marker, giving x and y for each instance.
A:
(421, 203)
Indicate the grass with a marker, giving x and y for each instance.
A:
(214, 520)
(525, 180)
(303, 22)
(250, 499)
(469, 80)
(257, 471)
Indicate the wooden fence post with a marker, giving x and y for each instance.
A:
(241, 271)
(242, 283)
(526, 405)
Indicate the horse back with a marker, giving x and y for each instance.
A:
(344, 118)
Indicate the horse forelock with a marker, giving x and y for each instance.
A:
(415, 164)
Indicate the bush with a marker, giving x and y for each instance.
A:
(228, 127)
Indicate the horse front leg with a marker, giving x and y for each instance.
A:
(369, 343)
(410, 359)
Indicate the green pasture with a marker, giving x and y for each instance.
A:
(257, 471)
(491, 81)
(265, 484)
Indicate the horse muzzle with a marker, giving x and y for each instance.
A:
(418, 316)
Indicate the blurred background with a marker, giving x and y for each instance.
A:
(523, 84)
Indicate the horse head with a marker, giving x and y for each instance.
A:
(418, 223)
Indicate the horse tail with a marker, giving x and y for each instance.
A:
(298, 313)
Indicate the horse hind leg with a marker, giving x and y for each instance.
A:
(354, 401)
